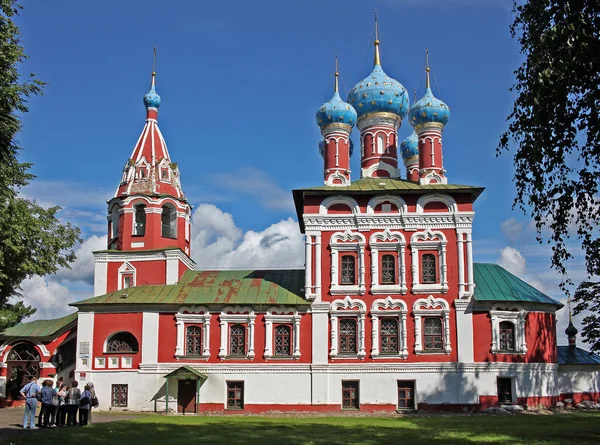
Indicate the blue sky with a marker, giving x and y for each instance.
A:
(240, 83)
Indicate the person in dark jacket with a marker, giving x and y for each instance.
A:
(72, 401)
(47, 407)
(84, 406)
(92, 399)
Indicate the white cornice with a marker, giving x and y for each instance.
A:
(119, 256)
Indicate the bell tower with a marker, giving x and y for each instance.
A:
(148, 217)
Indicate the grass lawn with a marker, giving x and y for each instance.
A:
(576, 428)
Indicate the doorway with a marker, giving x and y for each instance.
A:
(505, 390)
(22, 365)
(186, 396)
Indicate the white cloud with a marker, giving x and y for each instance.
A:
(66, 194)
(83, 267)
(50, 298)
(512, 260)
(512, 229)
(218, 243)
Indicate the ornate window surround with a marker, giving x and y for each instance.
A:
(196, 315)
(347, 241)
(282, 315)
(517, 316)
(388, 241)
(112, 335)
(389, 308)
(236, 315)
(431, 307)
(347, 308)
(126, 269)
(429, 240)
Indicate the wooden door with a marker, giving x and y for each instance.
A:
(186, 397)
(19, 374)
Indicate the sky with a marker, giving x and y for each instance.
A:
(240, 84)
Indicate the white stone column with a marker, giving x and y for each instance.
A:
(461, 263)
(374, 335)
(100, 275)
(251, 338)
(374, 265)
(464, 331)
(268, 337)
(334, 342)
(444, 269)
(334, 267)
(296, 337)
(361, 332)
(308, 266)
(224, 338)
(320, 332)
(206, 334)
(418, 341)
(404, 349)
(149, 337)
(470, 282)
(318, 266)
(402, 267)
(361, 264)
(180, 337)
(447, 345)
(415, 267)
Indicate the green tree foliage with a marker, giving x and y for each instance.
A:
(554, 128)
(32, 240)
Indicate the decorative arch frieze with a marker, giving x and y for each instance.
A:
(388, 241)
(192, 315)
(337, 176)
(389, 308)
(447, 200)
(347, 241)
(396, 200)
(431, 241)
(381, 165)
(6, 347)
(431, 307)
(349, 308)
(339, 199)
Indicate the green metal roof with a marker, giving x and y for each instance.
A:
(494, 283)
(39, 328)
(272, 287)
(368, 186)
(186, 372)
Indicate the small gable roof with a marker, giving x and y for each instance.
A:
(40, 328)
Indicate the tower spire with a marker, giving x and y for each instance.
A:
(153, 67)
(428, 83)
(377, 60)
(337, 75)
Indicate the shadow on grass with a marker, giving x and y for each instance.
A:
(447, 430)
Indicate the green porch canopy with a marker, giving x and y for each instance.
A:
(184, 373)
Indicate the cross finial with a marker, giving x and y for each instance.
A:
(337, 75)
(154, 66)
(428, 84)
(377, 60)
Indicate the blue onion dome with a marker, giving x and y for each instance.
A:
(410, 147)
(152, 99)
(336, 110)
(428, 109)
(379, 93)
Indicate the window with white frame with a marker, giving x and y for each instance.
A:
(508, 330)
(282, 333)
(347, 328)
(193, 332)
(127, 274)
(429, 267)
(115, 212)
(169, 221)
(388, 269)
(141, 170)
(100, 362)
(388, 328)
(347, 249)
(432, 325)
(237, 325)
(139, 220)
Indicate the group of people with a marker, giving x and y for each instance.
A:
(60, 404)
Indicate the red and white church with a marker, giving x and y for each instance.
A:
(389, 312)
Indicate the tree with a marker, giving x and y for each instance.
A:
(555, 129)
(32, 240)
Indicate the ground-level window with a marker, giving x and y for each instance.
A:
(235, 395)
(505, 393)
(507, 336)
(119, 395)
(406, 394)
(432, 334)
(350, 394)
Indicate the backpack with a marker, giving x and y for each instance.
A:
(95, 402)
(84, 401)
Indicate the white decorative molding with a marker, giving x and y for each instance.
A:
(367, 172)
(347, 241)
(431, 307)
(447, 200)
(388, 241)
(7, 346)
(126, 269)
(118, 256)
(194, 315)
(391, 308)
(282, 315)
(337, 176)
(237, 315)
(353, 309)
(338, 199)
(429, 240)
(394, 199)
(517, 316)
(433, 177)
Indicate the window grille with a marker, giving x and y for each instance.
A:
(283, 340)
(429, 274)
(388, 269)
(193, 340)
(348, 336)
(237, 340)
(432, 333)
(389, 335)
(348, 270)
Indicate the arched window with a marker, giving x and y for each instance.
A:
(193, 340)
(507, 336)
(139, 226)
(169, 222)
(388, 336)
(428, 269)
(348, 336)
(122, 342)
(380, 144)
(283, 341)
(114, 220)
(23, 352)
(237, 340)
(388, 269)
(432, 334)
(348, 270)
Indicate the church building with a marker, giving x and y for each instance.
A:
(389, 312)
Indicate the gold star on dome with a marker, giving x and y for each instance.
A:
(390, 101)
(369, 84)
(423, 114)
(373, 102)
(382, 92)
(364, 94)
(360, 105)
